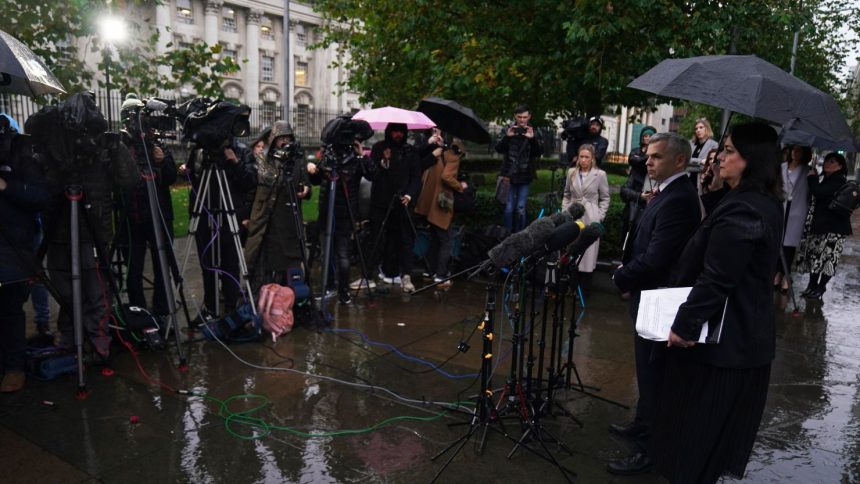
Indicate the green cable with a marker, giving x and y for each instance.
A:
(246, 418)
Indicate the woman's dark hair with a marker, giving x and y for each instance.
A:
(757, 143)
(806, 152)
(839, 159)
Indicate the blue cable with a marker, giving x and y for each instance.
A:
(401, 354)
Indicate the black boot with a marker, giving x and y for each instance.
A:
(813, 283)
(820, 288)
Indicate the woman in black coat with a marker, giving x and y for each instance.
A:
(713, 394)
(826, 229)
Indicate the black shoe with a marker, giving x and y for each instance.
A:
(344, 298)
(633, 464)
(633, 430)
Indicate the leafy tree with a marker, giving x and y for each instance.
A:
(56, 32)
(564, 57)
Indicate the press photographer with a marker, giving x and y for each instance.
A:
(23, 195)
(81, 160)
(212, 127)
(275, 230)
(521, 150)
(342, 166)
(580, 131)
(135, 230)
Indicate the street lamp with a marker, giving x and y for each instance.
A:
(112, 31)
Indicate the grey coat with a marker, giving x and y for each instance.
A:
(593, 193)
(796, 189)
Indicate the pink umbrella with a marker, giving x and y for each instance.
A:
(380, 117)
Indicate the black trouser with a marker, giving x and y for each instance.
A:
(789, 253)
(228, 269)
(12, 326)
(395, 248)
(96, 296)
(141, 235)
(439, 252)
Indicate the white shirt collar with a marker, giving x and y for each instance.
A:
(665, 183)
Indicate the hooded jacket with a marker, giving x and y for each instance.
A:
(401, 175)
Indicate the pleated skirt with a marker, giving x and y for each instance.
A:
(708, 420)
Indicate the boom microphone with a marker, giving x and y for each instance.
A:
(565, 234)
(155, 105)
(574, 212)
(587, 236)
(522, 243)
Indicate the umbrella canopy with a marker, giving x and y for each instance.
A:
(379, 118)
(454, 118)
(22, 72)
(793, 135)
(748, 85)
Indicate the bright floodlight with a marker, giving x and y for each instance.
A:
(112, 29)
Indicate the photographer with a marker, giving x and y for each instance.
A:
(23, 195)
(213, 237)
(275, 226)
(579, 131)
(521, 149)
(71, 142)
(396, 181)
(137, 230)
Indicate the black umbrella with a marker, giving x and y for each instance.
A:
(22, 72)
(452, 117)
(791, 134)
(748, 85)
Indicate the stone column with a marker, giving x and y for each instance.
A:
(211, 27)
(252, 53)
(164, 24)
(289, 83)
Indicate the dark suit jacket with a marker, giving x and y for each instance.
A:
(663, 230)
(732, 255)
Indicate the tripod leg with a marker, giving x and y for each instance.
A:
(74, 194)
(233, 224)
(361, 260)
(415, 237)
(381, 230)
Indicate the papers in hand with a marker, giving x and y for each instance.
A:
(657, 310)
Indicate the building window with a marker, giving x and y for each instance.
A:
(231, 53)
(228, 19)
(267, 68)
(184, 13)
(301, 73)
(301, 36)
(302, 117)
(267, 113)
(267, 29)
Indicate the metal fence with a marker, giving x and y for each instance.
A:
(307, 123)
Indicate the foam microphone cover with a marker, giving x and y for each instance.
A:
(573, 212)
(587, 236)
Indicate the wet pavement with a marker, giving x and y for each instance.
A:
(353, 403)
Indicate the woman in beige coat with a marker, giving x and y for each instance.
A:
(441, 177)
(587, 184)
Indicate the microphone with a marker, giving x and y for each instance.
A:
(574, 212)
(561, 236)
(521, 243)
(155, 105)
(587, 236)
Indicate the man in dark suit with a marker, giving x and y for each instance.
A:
(671, 215)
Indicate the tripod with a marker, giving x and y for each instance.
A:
(485, 413)
(225, 209)
(328, 237)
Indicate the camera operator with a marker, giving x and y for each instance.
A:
(521, 149)
(214, 236)
(23, 195)
(578, 132)
(147, 151)
(71, 141)
(396, 181)
(346, 193)
(275, 227)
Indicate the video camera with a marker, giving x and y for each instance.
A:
(338, 137)
(574, 128)
(154, 117)
(212, 124)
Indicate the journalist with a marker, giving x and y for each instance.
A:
(578, 133)
(275, 230)
(136, 229)
(521, 150)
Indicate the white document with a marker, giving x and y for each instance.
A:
(657, 310)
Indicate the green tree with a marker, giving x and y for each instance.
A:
(56, 32)
(563, 57)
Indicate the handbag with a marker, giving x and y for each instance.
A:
(503, 187)
(846, 199)
(445, 200)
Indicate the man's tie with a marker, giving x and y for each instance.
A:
(655, 191)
